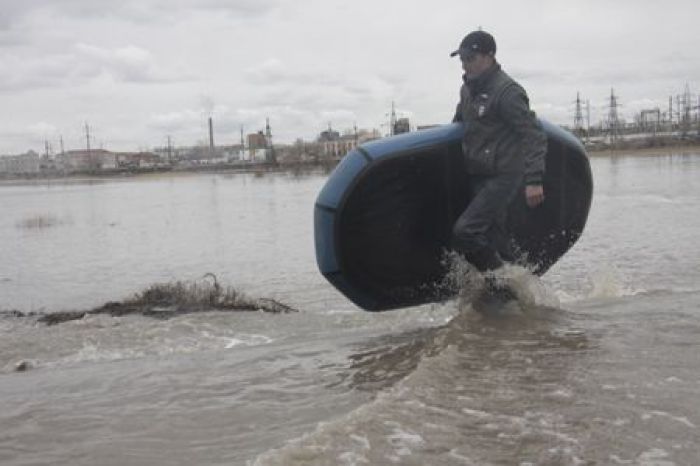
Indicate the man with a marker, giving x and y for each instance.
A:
(504, 148)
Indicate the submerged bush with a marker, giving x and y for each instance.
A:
(203, 295)
(165, 300)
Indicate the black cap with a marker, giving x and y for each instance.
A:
(476, 41)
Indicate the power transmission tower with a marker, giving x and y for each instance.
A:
(268, 131)
(686, 109)
(392, 119)
(650, 119)
(613, 118)
(588, 119)
(578, 117)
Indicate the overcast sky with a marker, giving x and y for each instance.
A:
(138, 70)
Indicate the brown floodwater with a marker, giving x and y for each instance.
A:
(600, 367)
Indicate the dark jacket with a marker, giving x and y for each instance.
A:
(501, 133)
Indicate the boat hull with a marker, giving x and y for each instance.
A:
(383, 220)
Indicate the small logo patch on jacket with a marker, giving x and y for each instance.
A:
(482, 106)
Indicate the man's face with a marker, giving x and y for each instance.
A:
(475, 63)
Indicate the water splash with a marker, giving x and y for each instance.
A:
(464, 279)
(529, 288)
(606, 282)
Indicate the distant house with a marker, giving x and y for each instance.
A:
(340, 146)
(137, 159)
(168, 155)
(232, 153)
(100, 159)
(328, 135)
(335, 145)
(258, 147)
(24, 164)
(85, 160)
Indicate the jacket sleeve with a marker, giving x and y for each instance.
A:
(458, 113)
(515, 110)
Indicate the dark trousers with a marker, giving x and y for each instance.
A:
(480, 234)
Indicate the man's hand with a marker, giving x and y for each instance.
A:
(534, 194)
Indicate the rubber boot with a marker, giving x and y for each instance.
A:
(498, 289)
(485, 260)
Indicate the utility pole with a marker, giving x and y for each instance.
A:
(242, 145)
(670, 113)
(91, 162)
(170, 150)
(87, 136)
(61, 140)
(211, 138)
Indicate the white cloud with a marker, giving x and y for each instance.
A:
(127, 64)
(12, 11)
(269, 71)
(174, 121)
(80, 64)
(341, 115)
(42, 129)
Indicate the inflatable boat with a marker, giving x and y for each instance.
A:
(383, 220)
